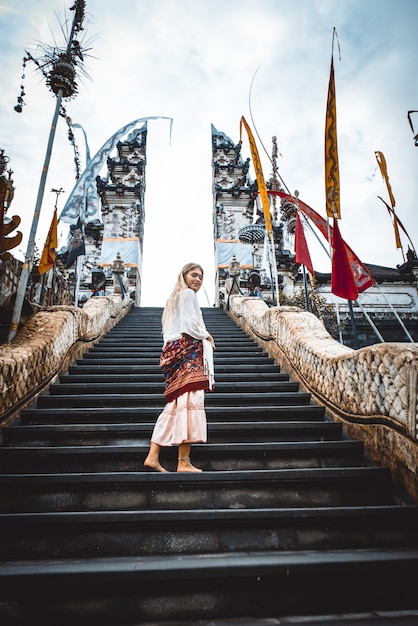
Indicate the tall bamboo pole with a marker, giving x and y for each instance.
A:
(27, 265)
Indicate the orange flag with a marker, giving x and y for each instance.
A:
(342, 279)
(301, 247)
(259, 175)
(381, 161)
(332, 172)
(48, 254)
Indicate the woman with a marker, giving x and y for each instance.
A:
(187, 363)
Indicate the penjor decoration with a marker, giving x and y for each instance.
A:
(59, 66)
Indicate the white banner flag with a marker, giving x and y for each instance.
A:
(83, 201)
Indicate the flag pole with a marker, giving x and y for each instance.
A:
(368, 318)
(27, 265)
(275, 281)
(301, 251)
(396, 314)
(41, 294)
(332, 173)
(76, 281)
(353, 323)
(343, 283)
(305, 285)
(337, 313)
(77, 267)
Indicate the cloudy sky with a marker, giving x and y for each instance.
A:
(194, 61)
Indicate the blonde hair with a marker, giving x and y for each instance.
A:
(180, 284)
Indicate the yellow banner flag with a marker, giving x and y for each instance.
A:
(259, 175)
(381, 161)
(396, 231)
(48, 254)
(332, 172)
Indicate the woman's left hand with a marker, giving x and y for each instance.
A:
(211, 341)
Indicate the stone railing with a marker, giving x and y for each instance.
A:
(372, 391)
(47, 345)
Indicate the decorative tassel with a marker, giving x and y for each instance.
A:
(20, 102)
(71, 139)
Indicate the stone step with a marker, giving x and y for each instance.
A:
(120, 400)
(209, 457)
(365, 618)
(148, 337)
(71, 535)
(156, 376)
(71, 415)
(114, 491)
(218, 432)
(154, 340)
(233, 369)
(152, 358)
(149, 387)
(136, 590)
(121, 349)
(153, 332)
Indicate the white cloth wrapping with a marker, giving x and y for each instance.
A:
(208, 362)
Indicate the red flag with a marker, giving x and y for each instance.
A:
(342, 279)
(301, 247)
(48, 254)
(362, 277)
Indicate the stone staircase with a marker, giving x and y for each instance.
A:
(288, 523)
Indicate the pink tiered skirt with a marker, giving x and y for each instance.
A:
(183, 420)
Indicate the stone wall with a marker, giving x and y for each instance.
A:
(47, 345)
(372, 391)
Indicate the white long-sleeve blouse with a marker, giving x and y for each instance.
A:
(187, 318)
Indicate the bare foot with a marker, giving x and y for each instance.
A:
(184, 465)
(154, 465)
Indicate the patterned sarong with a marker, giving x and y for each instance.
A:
(181, 362)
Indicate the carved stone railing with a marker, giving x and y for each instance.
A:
(372, 391)
(47, 345)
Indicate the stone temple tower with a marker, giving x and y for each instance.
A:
(239, 225)
(123, 215)
(233, 201)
